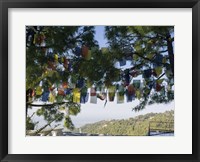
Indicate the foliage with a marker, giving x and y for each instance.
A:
(45, 47)
(151, 50)
(29, 124)
(137, 126)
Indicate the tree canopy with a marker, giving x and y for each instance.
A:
(62, 62)
(151, 50)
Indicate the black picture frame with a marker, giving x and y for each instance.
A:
(4, 94)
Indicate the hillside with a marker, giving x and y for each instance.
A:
(137, 126)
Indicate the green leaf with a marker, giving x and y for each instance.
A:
(150, 55)
(158, 70)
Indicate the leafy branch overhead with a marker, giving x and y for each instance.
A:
(151, 50)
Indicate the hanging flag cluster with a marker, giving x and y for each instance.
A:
(80, 92)
(39, 38)
(62, 63)
(83, 51)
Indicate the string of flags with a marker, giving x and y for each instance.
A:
(80, 93)
(83, 94)
(61, 63)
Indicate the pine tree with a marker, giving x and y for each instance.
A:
(53, 54)
(151, 50)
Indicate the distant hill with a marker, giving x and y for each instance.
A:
(137, 126)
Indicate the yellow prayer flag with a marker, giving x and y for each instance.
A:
(38, 91)
(76, 95)
(51, 98)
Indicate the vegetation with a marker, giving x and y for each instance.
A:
(151, 49)
(137, 126)
(50, 60)
(67, 56)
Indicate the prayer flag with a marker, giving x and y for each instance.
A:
(76, 95)
(93, 96)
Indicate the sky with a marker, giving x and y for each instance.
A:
(99, 36)
(91, 113)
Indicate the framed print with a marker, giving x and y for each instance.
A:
(99, 80)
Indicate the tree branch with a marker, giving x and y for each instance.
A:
(53, 104)
(145, 58)
(163, 51)
(52, 129)
(41, 129)
(160, 76)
